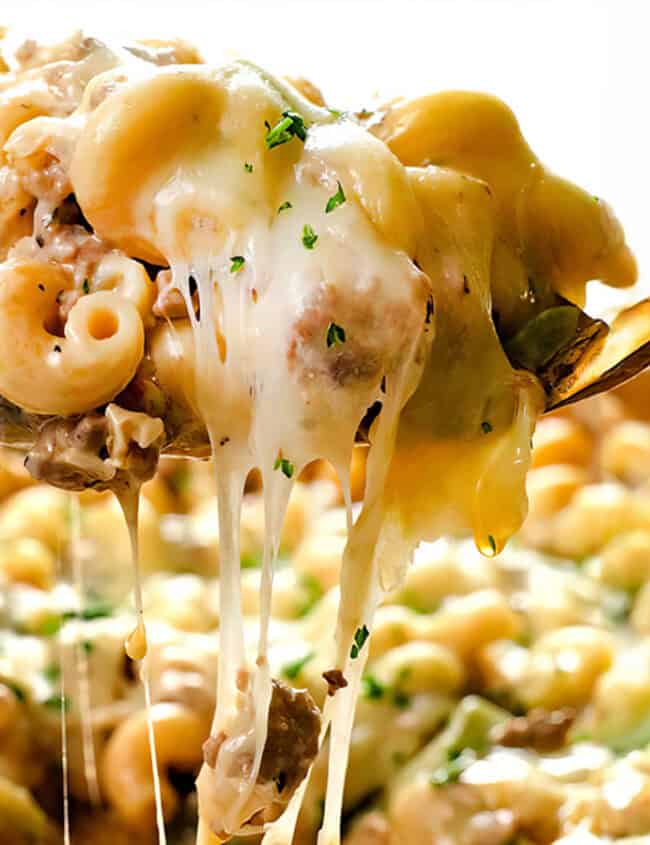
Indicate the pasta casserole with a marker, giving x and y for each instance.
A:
(211, 263)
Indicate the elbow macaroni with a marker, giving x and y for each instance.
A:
(126, 765)
(96, 358)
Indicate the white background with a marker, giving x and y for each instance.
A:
(576, 73)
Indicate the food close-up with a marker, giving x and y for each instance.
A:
(324, 495)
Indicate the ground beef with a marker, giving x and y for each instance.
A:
(542, 730)
(292, 738)
(335, 680)
(72, 453)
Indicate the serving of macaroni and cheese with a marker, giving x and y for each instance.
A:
(257, 356)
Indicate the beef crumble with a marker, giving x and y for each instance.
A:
(292, 738)
(542, 730)
(73, 453)
(335, 680)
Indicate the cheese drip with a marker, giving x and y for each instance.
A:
(136, 644)
(299, 321)
(81, 658)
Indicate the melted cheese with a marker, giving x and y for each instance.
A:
(136, 648)
(268, 385)
(172, 167)
(81, 659)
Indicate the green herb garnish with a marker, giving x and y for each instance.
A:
(314, 592)
(85, 287)
(56, 702)
(285, 205)
(285, 465)
(88, 646)
(401, 699)
(250, 561)
(290, 125)
(97, 610)
(236, 263)
(18, 691)
(248, 167)
(50, 627)
(493, 544)
(309, 237)
(372, 688)
(335, 334)
(292, 670)
(360, 637)
(336, 199)
(52, 672)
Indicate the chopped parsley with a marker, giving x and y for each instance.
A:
(236, 263)
(360, 637)
(493, 544)
(372, 688)
(289, 126)
(486, 427)
(85, 287)
(97, 610)
(248, 167)
(401, 699)
(336, 112)
(285, 205)
(249, 561)
(56, 702)
(285, 465)
(336, 199)
(335, 334)
(450, 772)
(292, 670)
(50, 626)
(52, 672)
(314, 591)
(18, 691)
(309, 237)
(88, 646)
